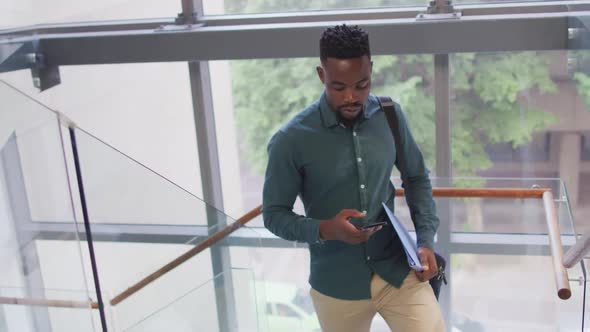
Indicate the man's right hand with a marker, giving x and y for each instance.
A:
(339, 228)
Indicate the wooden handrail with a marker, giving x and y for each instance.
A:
(47, 303)
(564, 291)
(211, 240)
(484, 192)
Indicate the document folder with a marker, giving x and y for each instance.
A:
(408, 243)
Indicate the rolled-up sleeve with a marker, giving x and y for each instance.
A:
(416, 182)
(282, 184)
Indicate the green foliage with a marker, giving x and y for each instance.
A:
(485, 93)
(581, 76)
(583, 83)
(267, 93)
(486, 107)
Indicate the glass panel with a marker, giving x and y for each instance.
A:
(15, 13)
(497, 215)
(31, 142)
(510, 267)
(500, 215)
(284, 286)
(244, 127)
(512, 293)
(142, 109)
(522, 115)
(120, 190)
(123, 264)
(34, 191)
(193, 310)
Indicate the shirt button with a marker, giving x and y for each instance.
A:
(368, 258)
(354, 133)
(362, 186)
(359, 159)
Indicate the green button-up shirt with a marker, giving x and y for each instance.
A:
(331, 168)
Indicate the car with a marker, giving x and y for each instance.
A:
(283, 307)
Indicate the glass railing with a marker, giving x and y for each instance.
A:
(152, 244)
(175, 274)
(193, 311)
(151, 234)
(43, 281)
(501, 272)
(500, 269)
(151, 239)
(501, 275)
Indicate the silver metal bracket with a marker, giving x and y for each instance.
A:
(44, 77)
(439, 10)
(176, 28)
(182, 19)
(573, 33)
(579, 280)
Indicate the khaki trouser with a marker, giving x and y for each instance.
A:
(411, 308)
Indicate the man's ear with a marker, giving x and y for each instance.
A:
(320, 72)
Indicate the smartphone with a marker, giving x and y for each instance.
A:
(371, 225)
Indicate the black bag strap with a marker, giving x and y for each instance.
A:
(388, 106)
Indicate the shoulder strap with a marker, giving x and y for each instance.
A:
(388, 106)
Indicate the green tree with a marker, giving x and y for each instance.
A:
(485, 87)
(581, 76)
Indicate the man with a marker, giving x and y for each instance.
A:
(338, 155)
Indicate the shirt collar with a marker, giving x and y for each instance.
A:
(329, 117)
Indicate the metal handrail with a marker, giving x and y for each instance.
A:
(578, 251)
(561, 279)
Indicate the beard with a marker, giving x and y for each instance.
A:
(350, 114)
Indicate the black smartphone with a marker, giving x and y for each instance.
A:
(371, 225)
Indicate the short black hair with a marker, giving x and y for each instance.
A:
(344, 42)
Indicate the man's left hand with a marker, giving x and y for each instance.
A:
(428, 261)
